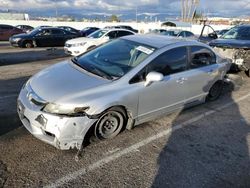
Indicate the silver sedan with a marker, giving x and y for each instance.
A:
(118, 85)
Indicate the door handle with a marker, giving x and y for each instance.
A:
(181, 80)
(210, 71)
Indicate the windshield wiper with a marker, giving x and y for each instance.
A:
(101, 73)
(74, 60)
(94, 69)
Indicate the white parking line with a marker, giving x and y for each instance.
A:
(8, 96)
(134, 147)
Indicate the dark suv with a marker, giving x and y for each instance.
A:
(235, 44)
(6, 31)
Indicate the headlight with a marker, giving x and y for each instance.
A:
(64, 109)
(16, 39)
(79, 44)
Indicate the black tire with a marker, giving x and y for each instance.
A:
(110, 123)
(28, 44)
(215, 91)
(247, 72)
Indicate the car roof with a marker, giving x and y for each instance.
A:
(157, 41)
(116, 29)
(244, 25)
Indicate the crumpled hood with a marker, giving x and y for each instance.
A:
(63, 80)
(230, 43)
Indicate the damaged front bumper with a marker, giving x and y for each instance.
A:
(60, 131)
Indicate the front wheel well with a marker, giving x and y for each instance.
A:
(24, 42)
(89, 136)
(215, 91)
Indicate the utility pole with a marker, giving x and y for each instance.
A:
(56, 10)
(136, 12)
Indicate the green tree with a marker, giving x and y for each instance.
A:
(114, 18)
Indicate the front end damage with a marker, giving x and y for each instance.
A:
(240, 57)
(62, 132)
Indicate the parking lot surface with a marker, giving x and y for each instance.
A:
(204, 146)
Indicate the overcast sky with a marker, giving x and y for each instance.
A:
(220, 7)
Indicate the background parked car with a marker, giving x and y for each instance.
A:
(220, 33)
(207, 34)
(25, 28)
(88, 30)
(80, 45)
(235, 44)
(71, 29)
(184, 34)
(122, 27)
(174, 33)
(156, 31)
(43, 37)
(6, 31)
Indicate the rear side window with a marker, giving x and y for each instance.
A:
(6, 27)
(112, 34)
(170, 62)
(44, 32)
(201, 56)
(123, 33)
(189, 34)
(182, 34)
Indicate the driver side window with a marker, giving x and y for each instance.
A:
(44, 32)
(170, 62)
(112, 34)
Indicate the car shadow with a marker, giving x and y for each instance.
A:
(9, 90)
(30, 55)
(207, 153)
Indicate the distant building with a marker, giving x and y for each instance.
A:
(13, 16)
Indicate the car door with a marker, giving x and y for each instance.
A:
(2, 32)
(207, 34)
(182, 34)
(5, 32)
(202, 74)
(58, 37)
(169, 94)
(44, 38)
(112, 35)
(106, 37)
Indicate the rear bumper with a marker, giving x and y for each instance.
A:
(61, 132)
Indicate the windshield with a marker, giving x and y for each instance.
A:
(170, 33)
(241, 33)
(97, 34)
(114, 59)
(34, 31)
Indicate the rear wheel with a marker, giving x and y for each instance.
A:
(110, 123)
(28, 44)
(215, 91)
(248, 72)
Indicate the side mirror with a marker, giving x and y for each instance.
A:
(212, 35)
(153, 77)
(106, 38)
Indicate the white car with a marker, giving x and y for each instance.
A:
(80, 45)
